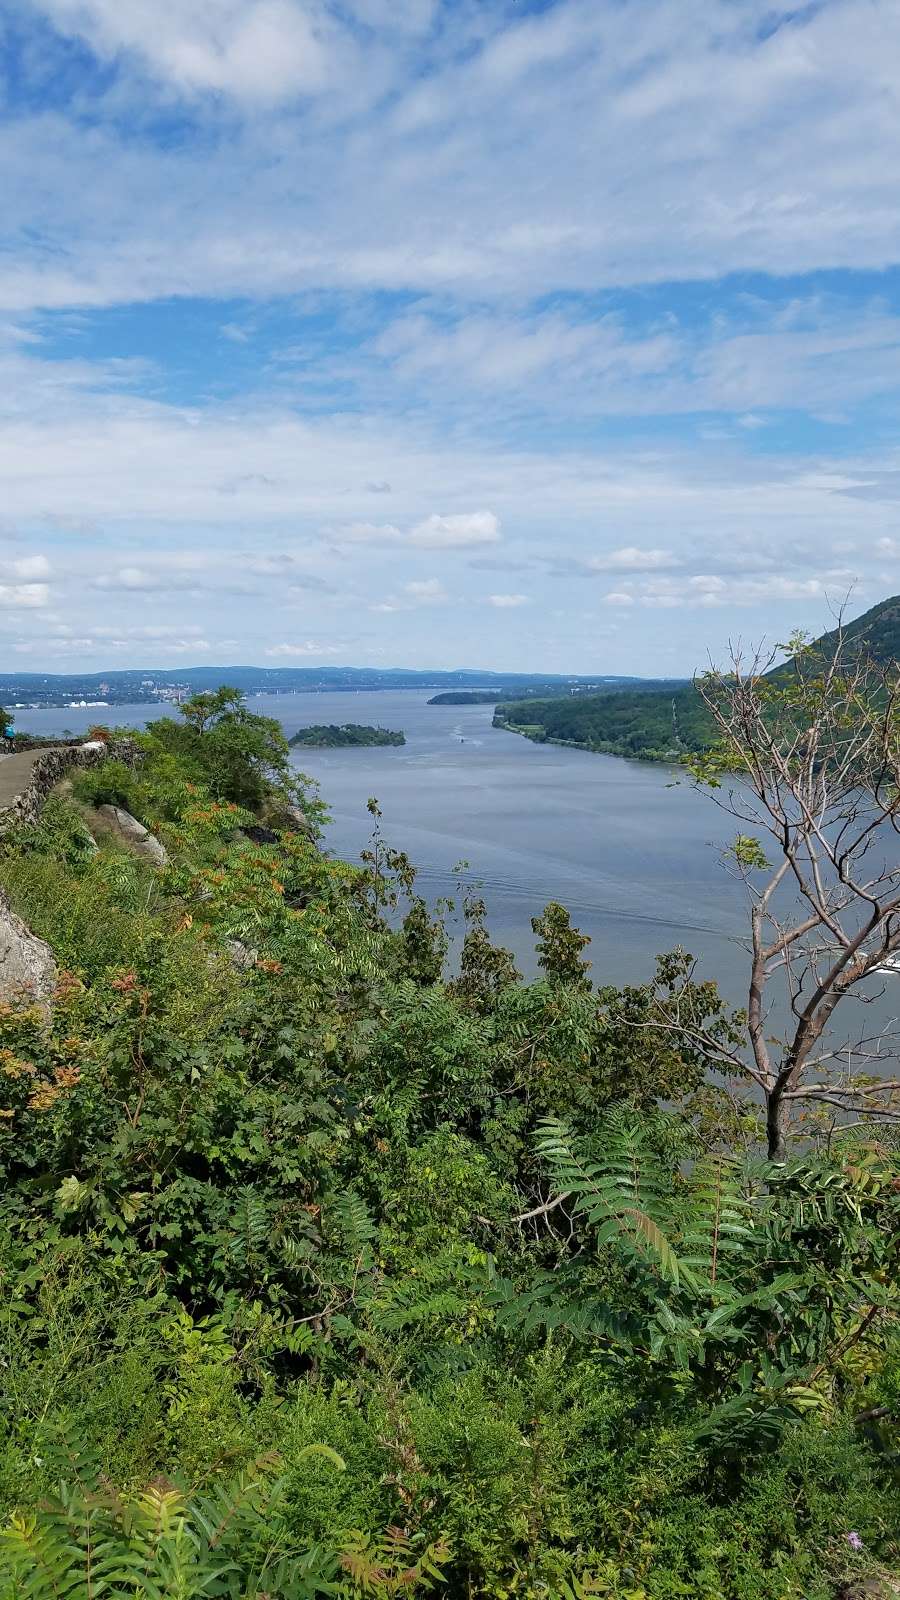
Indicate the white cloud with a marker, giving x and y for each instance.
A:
(507, 602)
(709, 590)
(188, 635)
(254, 49)
(457, 532)
(32, 567)
(685, 166)
(618, 597)
(126, 578)
(367, 533)
(309, 648)
(425, 590)
(631, 559)
(24, 596)
(126, 493)
(497, 352)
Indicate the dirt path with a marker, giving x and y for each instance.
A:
(15, 774)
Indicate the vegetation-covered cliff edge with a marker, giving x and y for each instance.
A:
(326, 1270)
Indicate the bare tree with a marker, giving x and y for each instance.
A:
(808, 760)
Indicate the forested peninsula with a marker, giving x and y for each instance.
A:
(337, 736)
(332, 1266)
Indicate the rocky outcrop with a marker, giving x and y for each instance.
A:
(240, 955)
(872, 1588)
(28, 971)
(291, 819)
(136, 836)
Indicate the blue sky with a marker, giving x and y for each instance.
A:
(561, 336)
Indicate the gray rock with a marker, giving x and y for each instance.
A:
(240, 955)
(292, 819)
(142, 842)
(883, 1587)
(28, 970)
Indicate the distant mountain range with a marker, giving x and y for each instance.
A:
(148, 684)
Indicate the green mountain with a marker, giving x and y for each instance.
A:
(662, 724)
(876, 633)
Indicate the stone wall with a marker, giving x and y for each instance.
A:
(53, 764)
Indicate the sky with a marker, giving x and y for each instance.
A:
(539, 335)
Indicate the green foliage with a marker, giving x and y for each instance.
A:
(111, 784)
(559, 947)
(163, 1542)
(745, 1286)
(485, 969)
(240, 756)
(495, 1248)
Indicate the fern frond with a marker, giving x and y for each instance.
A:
(623, 1192)
(250, 1226)
(718, 1221)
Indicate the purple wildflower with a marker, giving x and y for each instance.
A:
(854, 1541)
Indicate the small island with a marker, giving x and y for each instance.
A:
(331, 736)
(466, 697)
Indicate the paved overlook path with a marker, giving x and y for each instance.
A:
(15, 773)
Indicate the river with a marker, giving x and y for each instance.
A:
(634, 854)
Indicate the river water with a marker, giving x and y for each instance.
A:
(634, 854)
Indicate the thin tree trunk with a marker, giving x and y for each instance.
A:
(776, 1125)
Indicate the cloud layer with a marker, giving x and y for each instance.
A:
(338, 330)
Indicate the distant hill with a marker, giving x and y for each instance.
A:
(661, 724)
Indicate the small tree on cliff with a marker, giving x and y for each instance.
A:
(559, 947)
(808, 761)
(241, 756)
